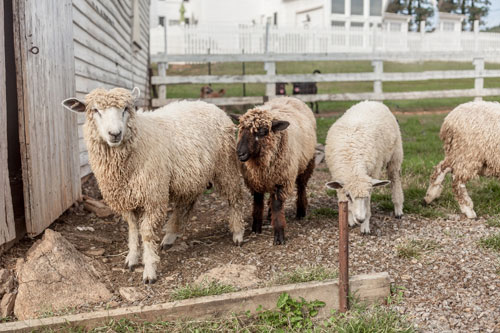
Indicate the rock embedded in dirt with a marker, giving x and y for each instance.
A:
(55, 276)
(241, 276)
(7, 304)
(6, 281)
(131, 294)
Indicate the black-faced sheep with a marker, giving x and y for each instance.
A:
(359, 145)
(307, 88)
(276, 144)
(471, 142)
(144, 161)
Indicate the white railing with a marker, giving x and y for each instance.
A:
(378, 76)
(234, 39)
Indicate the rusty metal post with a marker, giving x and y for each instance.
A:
(343, 258)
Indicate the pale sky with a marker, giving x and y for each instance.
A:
(493, 18)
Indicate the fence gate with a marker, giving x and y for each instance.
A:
(43, 37)
(7, 227)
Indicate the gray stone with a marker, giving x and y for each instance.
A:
(6, 281)
(7, 304)
(131, 294)
(55, 276)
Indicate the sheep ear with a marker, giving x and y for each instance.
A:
(235, 117)
(279, 125)
(376, 182)
(73, 104)
(335, 185)
(136, 93)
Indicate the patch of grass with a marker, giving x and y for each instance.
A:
(331, 193)
(374, 319)
(325, 212)
(415, 247)
(491, 242)
(305, 274)
(493, 222)
(6, 319)
(396, 296)
(202, 289)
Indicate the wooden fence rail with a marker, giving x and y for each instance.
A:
(378, 76)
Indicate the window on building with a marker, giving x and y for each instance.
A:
(275, 18)
(357, 24)
(357, 7)
(338, 6)
(448, 26)
(338, 24)
(375, 7)
(174, 22)
(161, 20)
(395, 26)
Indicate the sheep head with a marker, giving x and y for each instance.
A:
(256, 129)
(108, 110)
(357, 192)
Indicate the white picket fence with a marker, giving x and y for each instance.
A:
(233, 39)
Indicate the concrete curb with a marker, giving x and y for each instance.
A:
(368, 287)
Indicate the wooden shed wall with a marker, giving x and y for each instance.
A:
(7, 227)
(107, 51)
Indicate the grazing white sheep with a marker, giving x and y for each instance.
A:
(359, 145)
(276, 143)
(471, 141)
(144, 161)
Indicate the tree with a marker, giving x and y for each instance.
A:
(478, 9)
(396, 6)
(424, 10)
(419, 10)
(448, 6)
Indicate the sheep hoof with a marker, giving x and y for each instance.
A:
(165, 247)
(131, 268)
(279, 237)
(149, 280)
(399, 216)
(257, 228)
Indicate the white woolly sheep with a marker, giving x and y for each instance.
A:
(470, 135)
(276, 143)
(144, 161)
(359, 145)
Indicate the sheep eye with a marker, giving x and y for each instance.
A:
(95, 110)
(349, 197)
(262, 132)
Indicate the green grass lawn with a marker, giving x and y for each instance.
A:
(232, 90)
(422, 151)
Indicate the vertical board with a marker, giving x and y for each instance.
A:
(43, 35)
(111, 41)
(7, 226)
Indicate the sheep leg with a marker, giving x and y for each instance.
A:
(463, 198)
(269, 210)
(228, 184)
(180, 214)
(394, 173)
(301, 182)
(365, 226)
(132, 259)
(150, 257)
(278, 215)
(436, 181)
(258, 210)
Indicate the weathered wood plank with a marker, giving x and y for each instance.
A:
(49, 143)
(371, 288)
(7, 225)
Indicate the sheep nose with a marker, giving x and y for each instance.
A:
(115, 135)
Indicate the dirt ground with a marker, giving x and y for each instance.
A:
(455, 287)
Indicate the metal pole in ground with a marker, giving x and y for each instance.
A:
(343, 258)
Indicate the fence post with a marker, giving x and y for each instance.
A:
(378, 69)
(270, 68)
(479, 79)
(476, 35)
(162, 88)
(343, 258)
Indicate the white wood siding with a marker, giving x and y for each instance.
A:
(105, 55)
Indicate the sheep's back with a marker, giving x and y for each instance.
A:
(364, 139)
(471, 132)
